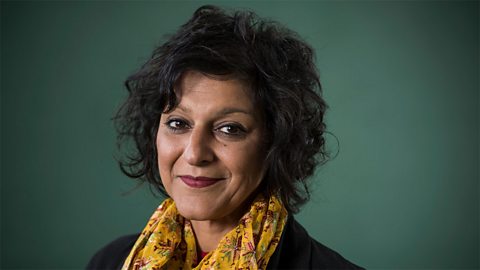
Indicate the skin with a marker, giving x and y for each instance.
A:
(216, 132)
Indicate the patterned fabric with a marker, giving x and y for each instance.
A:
(168, 242)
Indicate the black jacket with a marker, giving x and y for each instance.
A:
(296, 250)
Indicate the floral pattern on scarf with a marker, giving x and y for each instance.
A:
(168, 241)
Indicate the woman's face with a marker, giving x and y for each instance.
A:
(210, 148)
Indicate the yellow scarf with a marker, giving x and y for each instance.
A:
(168, 241)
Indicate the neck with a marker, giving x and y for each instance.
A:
(208, 233)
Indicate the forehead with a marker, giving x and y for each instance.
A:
(206, 88)
(192, 78)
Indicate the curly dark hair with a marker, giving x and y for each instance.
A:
(277, 64)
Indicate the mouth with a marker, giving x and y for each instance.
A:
(199, 181)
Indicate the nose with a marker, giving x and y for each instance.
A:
(198, 151)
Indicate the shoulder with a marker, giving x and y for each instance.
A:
(297, 250)
(113, 254)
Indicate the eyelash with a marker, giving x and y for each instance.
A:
(238, 130)
(183, 124)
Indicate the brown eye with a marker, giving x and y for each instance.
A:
(176, 124)
(232, 130)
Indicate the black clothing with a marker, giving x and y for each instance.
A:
(112, 256)
(296, 250)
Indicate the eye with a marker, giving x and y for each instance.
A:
(232, 130)
(176, 125)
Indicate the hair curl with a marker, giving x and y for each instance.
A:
(274, 60)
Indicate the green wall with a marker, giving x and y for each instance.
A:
(401, 79)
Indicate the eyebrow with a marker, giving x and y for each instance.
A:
(225, 111)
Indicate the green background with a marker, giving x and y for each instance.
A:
(401, 79)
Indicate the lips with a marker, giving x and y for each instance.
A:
(200, 181)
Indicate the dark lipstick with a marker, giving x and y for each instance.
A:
(200, 181)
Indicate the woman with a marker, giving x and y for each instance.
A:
(227, 124)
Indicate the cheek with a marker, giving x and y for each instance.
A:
(166, 155)
(245, 163)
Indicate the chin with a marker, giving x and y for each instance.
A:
(194, 213)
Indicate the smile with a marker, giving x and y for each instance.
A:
(200, 181)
